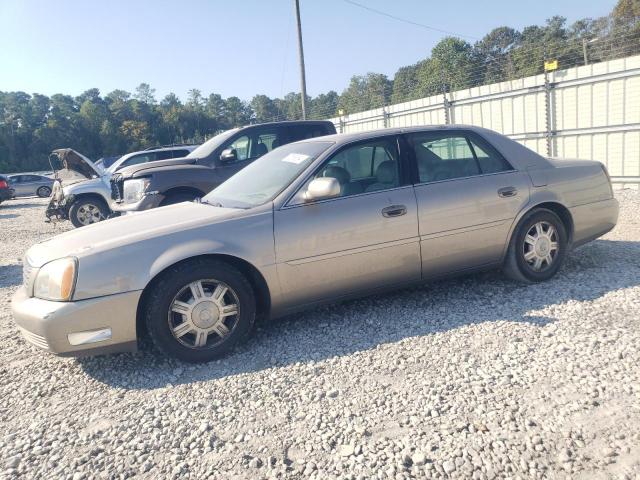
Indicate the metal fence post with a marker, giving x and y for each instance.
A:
(445, 100)
(548, 113)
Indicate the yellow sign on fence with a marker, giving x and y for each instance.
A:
(550, 65)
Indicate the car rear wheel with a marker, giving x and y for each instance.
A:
(538, 247)
(44, 192)
(86, 211)
(200, 310)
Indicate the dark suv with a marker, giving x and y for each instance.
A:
(160, 183)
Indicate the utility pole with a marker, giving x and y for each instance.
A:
(303, 83)
(584, 51)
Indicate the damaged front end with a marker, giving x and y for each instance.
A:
(69, 167)
(58, 208)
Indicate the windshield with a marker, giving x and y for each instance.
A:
(207, 148)
(115, 165)
(265, 178)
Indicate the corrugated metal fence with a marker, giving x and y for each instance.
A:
(590, 112)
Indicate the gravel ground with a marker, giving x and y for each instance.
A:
(475, 377)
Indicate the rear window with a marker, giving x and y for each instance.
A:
(303, 132)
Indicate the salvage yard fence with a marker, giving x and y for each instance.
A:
(586, 112)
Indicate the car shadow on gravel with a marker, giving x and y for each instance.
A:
(354, 326)
(10, 275)
(15, 205)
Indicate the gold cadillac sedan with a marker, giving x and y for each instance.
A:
(315, 221)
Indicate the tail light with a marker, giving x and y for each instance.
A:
(4, 184)
(606, 173)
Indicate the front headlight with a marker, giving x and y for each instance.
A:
(56, 280)
(134, 189)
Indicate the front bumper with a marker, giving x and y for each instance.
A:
(54, 326)
(150, 200)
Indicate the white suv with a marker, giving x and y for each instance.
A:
(82, 190)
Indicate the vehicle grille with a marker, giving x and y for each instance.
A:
(117, 186)
(34, 339)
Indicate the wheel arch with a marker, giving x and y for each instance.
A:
(96, 195)
(183, 190)
(251, 273)
(562, 212)
(550, 204)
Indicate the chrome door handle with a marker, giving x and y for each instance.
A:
(507, 192)
(394, 211)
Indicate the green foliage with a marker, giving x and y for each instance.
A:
(33, 125)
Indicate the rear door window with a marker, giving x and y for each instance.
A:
(161, 155)
(180, 153)
(488, 157)
(443, 156)
(136, 159)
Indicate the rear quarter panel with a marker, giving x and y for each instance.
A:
(584, 189)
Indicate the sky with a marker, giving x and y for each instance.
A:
(237, 47)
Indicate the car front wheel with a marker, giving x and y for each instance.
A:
(199, 310)
(86, 211)
(538, 247)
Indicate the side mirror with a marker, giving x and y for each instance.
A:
(228, 155)
(322, 188)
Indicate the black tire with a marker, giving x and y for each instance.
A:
(174, 198)
(160, 319)
(44, 192)
(516, 265)
(77, 211)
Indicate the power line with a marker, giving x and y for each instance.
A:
(410, 22)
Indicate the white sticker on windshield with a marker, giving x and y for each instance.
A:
(296, 158)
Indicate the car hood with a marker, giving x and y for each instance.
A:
(70, 166)
(128, 229)
(140, 168)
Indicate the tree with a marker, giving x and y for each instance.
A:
(493, 55)
(324, 105)
(405, 84)
(146, 94)
(365, 92)
(237, 112)
(454, 60)
(264, 110)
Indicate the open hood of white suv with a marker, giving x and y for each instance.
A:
(70, 166)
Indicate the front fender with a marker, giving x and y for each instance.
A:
(90, 187)
(131, 266)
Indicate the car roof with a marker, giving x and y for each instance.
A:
(161, 149)
(341, 138)
(289, 123)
